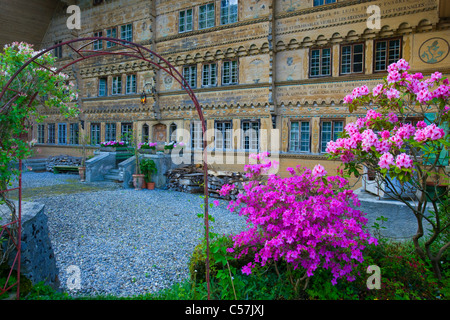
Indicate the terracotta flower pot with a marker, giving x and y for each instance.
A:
(150, 185)
(82, 173)
(138, 181)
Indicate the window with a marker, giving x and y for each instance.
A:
(111, 33)
(320, 62)
(322, 2)
(223, 135)
(386, 52)
(41, 133)
(95, 133)
(102, 87)
(51, 133)
(352, 58)
(209, 75)
(110, 132)
(57, 52)
(131, 84)
(190, 75)
(196, 135)
(228, 11)
(299, 136)
(145, 133)
(126, 32)
(116, 85)
(206, 16)
(126, 132)
(330, 131)
(230, 72)
(96, 2)
(62, 133)
(74, 132)
(185, 21)
(173, 132)
(250, 135)
(98, 45)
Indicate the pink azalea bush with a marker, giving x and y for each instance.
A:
(308, 219)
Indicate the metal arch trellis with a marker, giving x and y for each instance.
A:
(123, 48)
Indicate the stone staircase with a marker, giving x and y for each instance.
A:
(115, 175)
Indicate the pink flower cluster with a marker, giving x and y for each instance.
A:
(308, 222)
(113, 143)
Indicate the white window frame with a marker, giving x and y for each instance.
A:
(110, 131)
(196, 135)
(98, 45)
(190, 75)
(51, 133)
(333, 133)
(230, 74)
(388, 50)
(111, 33)
(223, 135)
(206, 16)
(74, 134)
(227, 15)
(209, 75)
(116, 86)
(321, 62)
(250, 130)
(349, 59)
(130, 84)
(126, 32)
(183, 24)
(300, 136)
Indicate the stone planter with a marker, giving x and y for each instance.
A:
(147, 151)
(138, 181)
(82, 173)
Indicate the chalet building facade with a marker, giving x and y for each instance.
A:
(269, 75)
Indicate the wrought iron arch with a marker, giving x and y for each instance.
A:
(122, 48)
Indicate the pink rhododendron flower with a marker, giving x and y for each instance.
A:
(403, 161)
(225, 190)
(216, 203)
(392, 93)
(319, 171)
(377, 90)
(386, 160)
(392, 117)
(393, 77)
(424, 95)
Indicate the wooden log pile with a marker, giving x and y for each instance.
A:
(189, 178)
(62, 160)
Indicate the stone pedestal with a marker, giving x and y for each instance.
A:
(38, 262)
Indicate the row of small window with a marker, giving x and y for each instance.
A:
(352, 57)
(207, 16)
(116, 85)
(125, 32)
(72, 135)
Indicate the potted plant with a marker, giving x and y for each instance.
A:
(138, 177)
(149, 147)
(148, 168)
(168, 146)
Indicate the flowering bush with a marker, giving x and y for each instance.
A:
(169, 146)
(307, 219)
(388, 142)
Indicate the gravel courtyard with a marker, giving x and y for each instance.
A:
(124, 242)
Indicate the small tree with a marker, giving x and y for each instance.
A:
(19, 105)
(404, 139)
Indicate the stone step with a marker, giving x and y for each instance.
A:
(114, 175)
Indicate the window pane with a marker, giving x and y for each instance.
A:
(394, 51)
(326, 134)
(304, 141)
(358, 55)
(380, 56)
(346, 59)
(294, 137)
(315, 62)
(326, 62)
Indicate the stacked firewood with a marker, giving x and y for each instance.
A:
(62, 160)
(189, 178)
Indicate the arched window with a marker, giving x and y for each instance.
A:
(173, 132)
(145, 133)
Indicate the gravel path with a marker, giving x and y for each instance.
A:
(124, 242)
